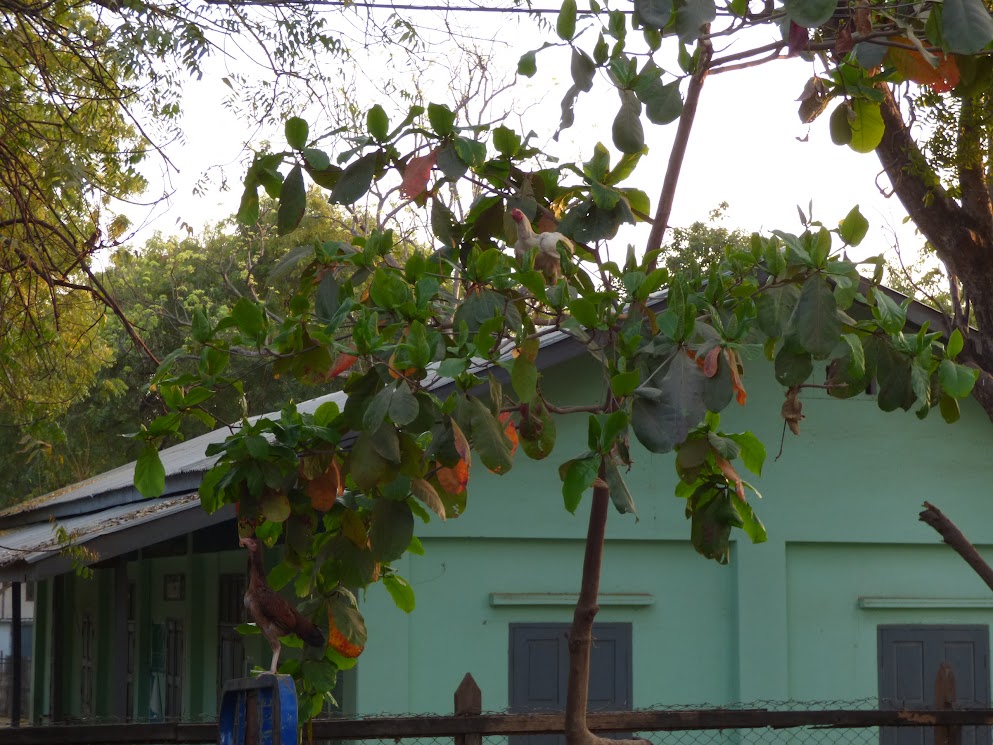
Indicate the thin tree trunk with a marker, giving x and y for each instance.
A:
(581, 633)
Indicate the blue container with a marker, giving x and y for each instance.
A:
(258, 711)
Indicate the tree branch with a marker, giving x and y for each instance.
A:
(678, 152)
(957, 540)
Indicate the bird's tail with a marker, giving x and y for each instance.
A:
(312, 636)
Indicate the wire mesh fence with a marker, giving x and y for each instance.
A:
(860, 722)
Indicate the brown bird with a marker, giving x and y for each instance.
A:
(270, 610)
(547, 260)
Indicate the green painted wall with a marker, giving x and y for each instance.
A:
(782, 621)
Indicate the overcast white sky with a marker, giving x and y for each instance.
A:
(745, 149)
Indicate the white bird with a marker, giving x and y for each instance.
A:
(547, 260)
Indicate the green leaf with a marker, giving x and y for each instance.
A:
(966, 26)
(868, 127)
(527, 66)
(751, 525)
(391, 528)
(470, 151)
(854, 227)
(949, 408)
(378, 123)
(623, 384)
(691, 15)
(815, 319)
(248, 209)
(663, 102)
(627, 131)
(793, 365)
(506, 141)
(583, 69)
(354, 181)
(752, 451)
(317, 160)
(955, 344)
(275, 506)
(890, 315)
(442, 119)
(663, 419)
(201, 330)
(524, 378)
(403, 405)
(565, 26)
(577, 476)
(489, 439)
(810, 13)
(956, 380)
(320, 674)
(401, 592)
(654, 13)
(620, 495)
(775, 308)
(296, 132)
(249, 318)
(292, 202)
(149, 473)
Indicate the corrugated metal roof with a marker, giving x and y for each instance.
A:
(33, 551)
(185, 462)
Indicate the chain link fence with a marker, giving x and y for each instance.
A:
(753, 723)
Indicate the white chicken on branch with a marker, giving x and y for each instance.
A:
(547, 258)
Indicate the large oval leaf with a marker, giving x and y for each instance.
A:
(292, 202)
(354, 182)
(867, 128)
(810, 13)
(966, 26)
(815, 319)
(627, 131)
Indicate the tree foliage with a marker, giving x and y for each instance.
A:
(426, 334)
(87, 92)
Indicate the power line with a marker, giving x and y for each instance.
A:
(404, 6)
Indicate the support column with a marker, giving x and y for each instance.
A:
(15, 656)
(59, 667)
(119, 666)
(763, 624)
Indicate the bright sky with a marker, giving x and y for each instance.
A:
(746, 147)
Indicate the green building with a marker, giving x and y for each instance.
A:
(851, 598)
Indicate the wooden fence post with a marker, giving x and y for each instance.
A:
(468, 702)
(944, 698)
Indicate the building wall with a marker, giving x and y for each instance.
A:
(795, 617)
(782, 621)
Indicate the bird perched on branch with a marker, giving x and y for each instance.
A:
(547, 259)
(270, 610)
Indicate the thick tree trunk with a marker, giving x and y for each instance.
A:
(960, 231)
(581, 633)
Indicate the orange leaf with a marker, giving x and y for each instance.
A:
(731, 475)
(416, 175)
(461, 443)
(739, 389)
(339, 642)
(711, 362)
(342, 363)
(325, 489)
(453, 480)
(510, 431)
(913, 66)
